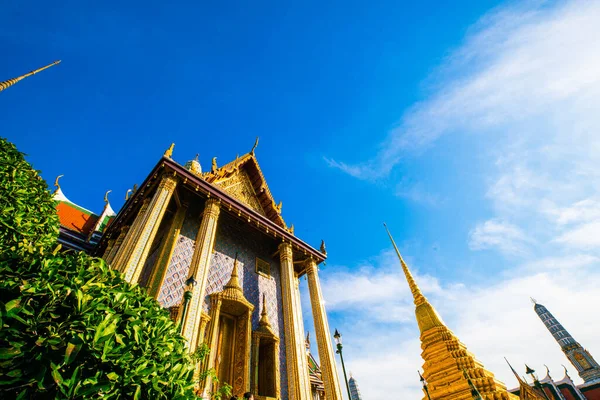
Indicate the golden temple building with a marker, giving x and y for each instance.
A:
(450, 370)
(213, 248)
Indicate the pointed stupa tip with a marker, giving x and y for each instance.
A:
(169, 151)
(414, 288)
(10, 82)
(194, 165)
(264, 317)
(427, 316)
(234, 282)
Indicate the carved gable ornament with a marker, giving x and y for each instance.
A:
(239, 186)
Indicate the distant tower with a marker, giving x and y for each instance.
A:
(354, 392)
(587, 368)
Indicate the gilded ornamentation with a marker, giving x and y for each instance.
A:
(169, 152)
(56, 184)
(133, 264)
(205, 241)
(328, 368)
(445, 358)
(297, 363)
(255, 146)
(214, 165)
(10, 82)
(240, 187)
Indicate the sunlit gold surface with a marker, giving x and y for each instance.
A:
(448, 364)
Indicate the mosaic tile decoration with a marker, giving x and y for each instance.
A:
(229, 241)
(171, 292)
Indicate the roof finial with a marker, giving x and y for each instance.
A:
(169, 151)
(264, 318)
(56, 184)
(278, 207)
(214, 165)
(255, 146)
(534, 301)
(128, 193)
(10, 82)
(106, 196)
(234, 281)
(323, 249)
(414, 289)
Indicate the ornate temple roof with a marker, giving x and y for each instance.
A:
(80, 228)
(243, 179)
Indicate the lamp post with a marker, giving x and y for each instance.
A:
(187, 296)
(424, 383)
(338, 340)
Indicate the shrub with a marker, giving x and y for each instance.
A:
(71, 327)
(28, 222)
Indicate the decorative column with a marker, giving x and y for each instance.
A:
(160, 268)
(109, 247)
(125, 248)
(296, 359)
(304, 375)
(133, 263)
(110, 256)
(213, 341)
(326, 356)
(205, 241)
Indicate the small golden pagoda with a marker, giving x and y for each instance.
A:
(449, 368)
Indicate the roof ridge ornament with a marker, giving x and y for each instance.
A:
(169, 151)
(56, 184)
(255, 146)
(106, 197)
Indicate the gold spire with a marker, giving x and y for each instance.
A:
(10, 82)
(264, 318)
(448, 365)
(414, 289)
(234, 282)
(169, 151)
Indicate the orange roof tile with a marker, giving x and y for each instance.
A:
(75, 218)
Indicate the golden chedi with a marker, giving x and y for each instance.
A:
(448, 366)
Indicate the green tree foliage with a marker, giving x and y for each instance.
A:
(28, 220)
(71, 327)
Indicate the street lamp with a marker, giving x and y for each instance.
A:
(424, 383)
(338, 341)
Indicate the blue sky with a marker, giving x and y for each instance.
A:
(469, 127)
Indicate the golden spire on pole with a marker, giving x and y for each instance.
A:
(414, 289)
(10, 82)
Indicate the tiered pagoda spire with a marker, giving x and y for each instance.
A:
(10, 82)
(587, 368)
(448, 365)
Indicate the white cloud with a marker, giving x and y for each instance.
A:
(528, 76)
(585, 236)
(561, 263)
(493, 320)
(500, 235)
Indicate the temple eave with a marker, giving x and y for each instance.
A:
(195, 183)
